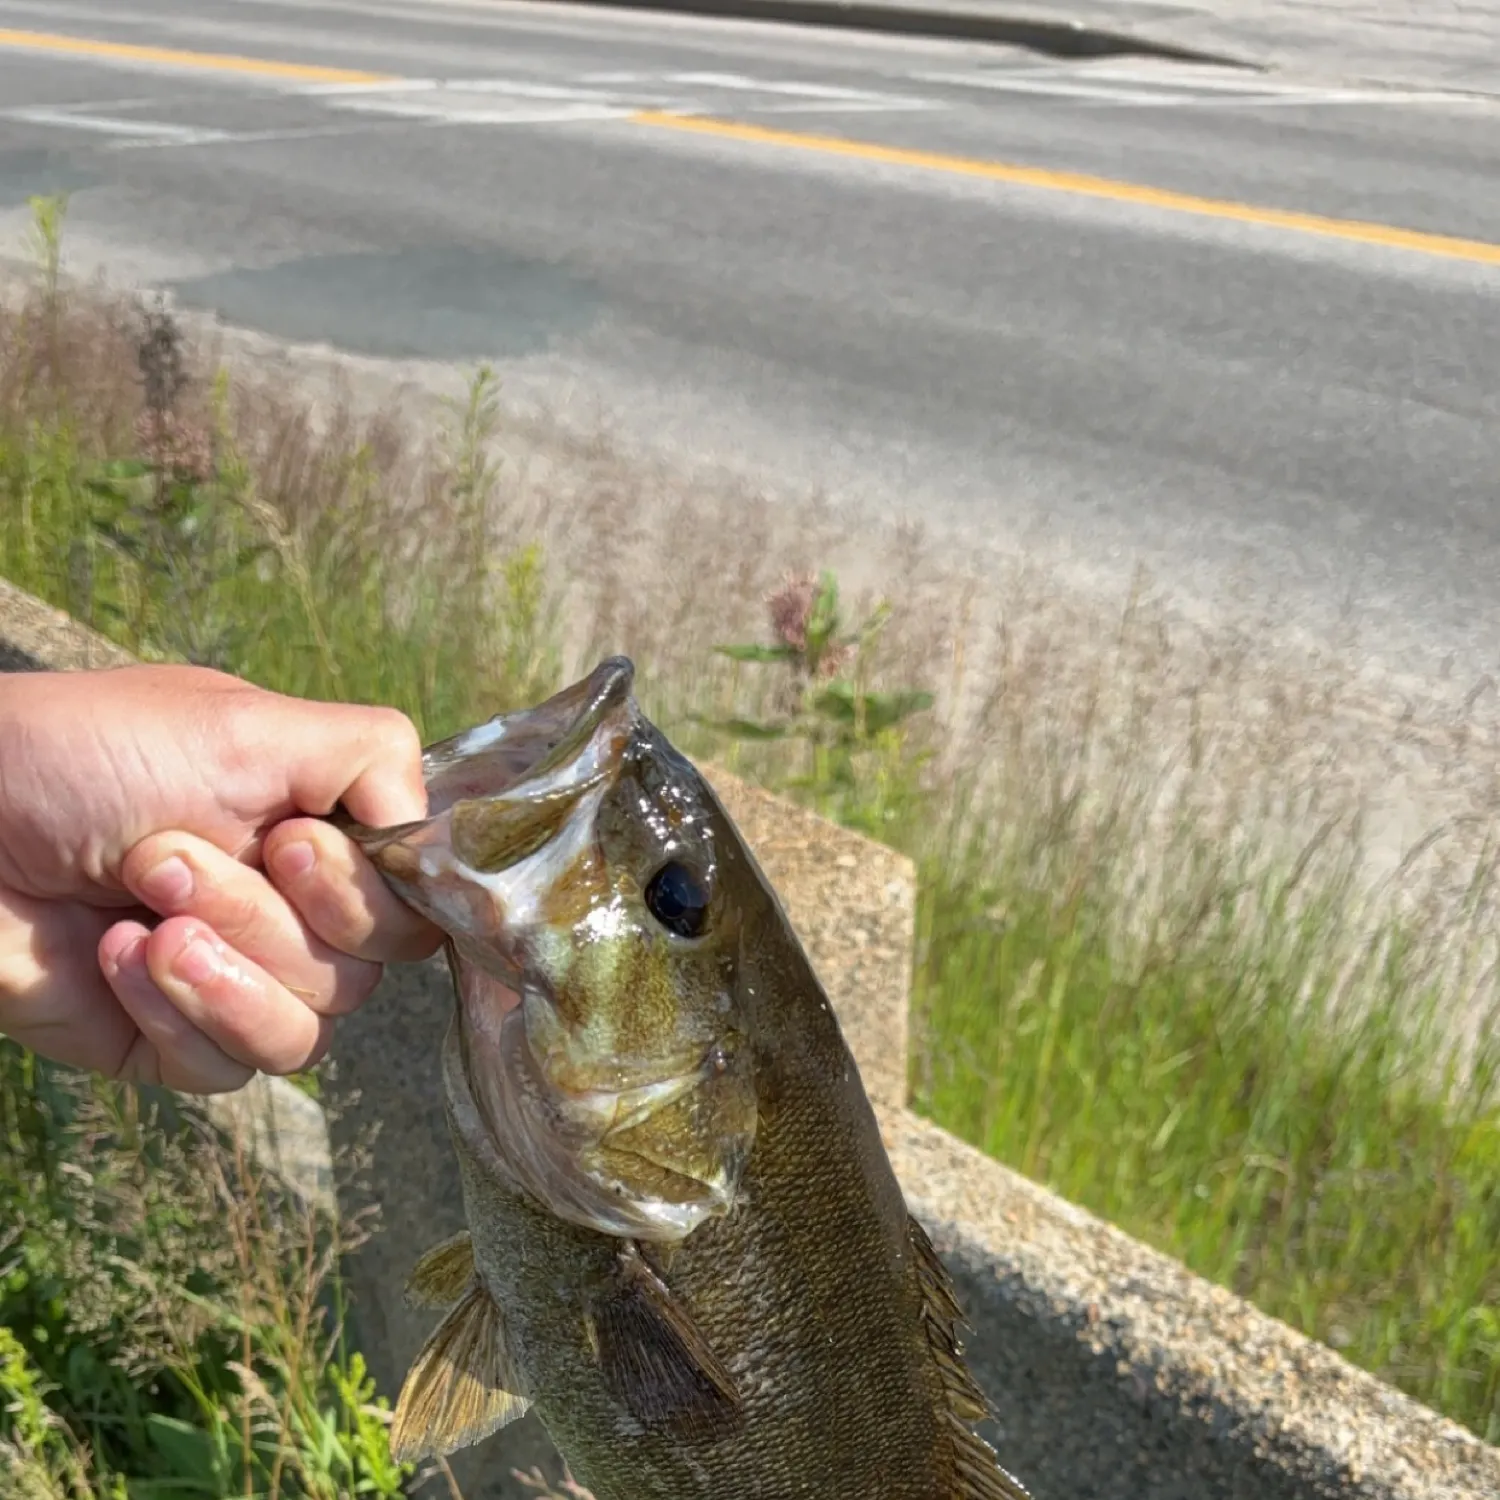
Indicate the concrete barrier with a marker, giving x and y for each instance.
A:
(1115, 1373)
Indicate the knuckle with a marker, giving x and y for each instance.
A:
(237, 916)
(396, 734)
(239, 711)
(233, 916)
(355, 906)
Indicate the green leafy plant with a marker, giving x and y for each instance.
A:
(177, 537)
(859, 767)
(40, 1458)
(170, 1316)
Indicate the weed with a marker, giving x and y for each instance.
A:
(47, 218)
(1147, 974)
(859, 768)
(169, 1315)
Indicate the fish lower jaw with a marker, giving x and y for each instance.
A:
(653, 1221)
(674, 1214)
(576, 1177)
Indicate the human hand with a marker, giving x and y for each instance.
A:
(178, 792)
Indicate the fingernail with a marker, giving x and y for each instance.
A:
(197, 963)
(168, 884)
(293, 861)
(131, 956)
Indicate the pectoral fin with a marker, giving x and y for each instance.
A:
(462, 1386)
(443, 1275)
(977, 1474)
(654, 1357)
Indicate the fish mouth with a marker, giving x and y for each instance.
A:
(499, 793)
(510, 750)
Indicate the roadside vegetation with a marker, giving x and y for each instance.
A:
(170, 1320)
(1150, 973)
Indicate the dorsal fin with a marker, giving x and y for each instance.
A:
(461, 1387)
(443, 1275)
(977, 1471)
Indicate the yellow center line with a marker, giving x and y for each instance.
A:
(1078, 183)
(217, 62)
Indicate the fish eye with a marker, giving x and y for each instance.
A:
(678, 898)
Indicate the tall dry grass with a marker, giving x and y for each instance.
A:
(1170, 961)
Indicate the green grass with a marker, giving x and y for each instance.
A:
(339, 603)
(170, 1319)
(1192, 1097)
(1226, 1062)
(170, 1324)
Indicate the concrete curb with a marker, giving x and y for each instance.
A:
(1115, 1373)
(1053, 38)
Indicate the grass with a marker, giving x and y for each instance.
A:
(1191, 1098)
(170, 1319)
(1150, 971)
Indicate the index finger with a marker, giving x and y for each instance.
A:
(342, 897)
(310, 756)
(384, 755)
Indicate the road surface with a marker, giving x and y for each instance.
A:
(1244, 331)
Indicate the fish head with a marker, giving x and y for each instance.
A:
(572, 857)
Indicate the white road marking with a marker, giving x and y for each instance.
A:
(470, 100)
(1293, 101)
(258, 137)
(740, 83)
(841, 107)
(519, 87)
(465, 109)
(524, 89)
(1180, 91)
(382, 86)
(822, 97)
(96, 106)
(1066, 88)
(113, 125)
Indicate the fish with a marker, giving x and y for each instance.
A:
(686, 1247)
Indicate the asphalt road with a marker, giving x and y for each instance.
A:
(942, 280)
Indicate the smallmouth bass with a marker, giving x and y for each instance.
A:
(686, 1245)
